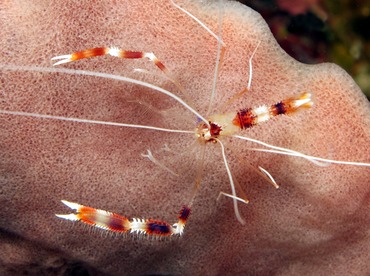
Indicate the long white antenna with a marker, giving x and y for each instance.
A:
(106, 76)
(199, 22)
(87, 121)
(251, 67)
(218, 56)
(284, 151)
(233, 192)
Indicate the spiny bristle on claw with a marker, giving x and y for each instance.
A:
(63, 59)
(72, 205)
(71, 217)
(304, 101)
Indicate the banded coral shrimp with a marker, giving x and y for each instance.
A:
(206, 197)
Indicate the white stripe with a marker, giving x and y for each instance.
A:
(114, 51)
(262, 110)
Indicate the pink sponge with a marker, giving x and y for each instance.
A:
(316, 223)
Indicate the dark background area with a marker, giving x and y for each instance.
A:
(315, 31)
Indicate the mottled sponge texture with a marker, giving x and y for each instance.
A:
(317, 223)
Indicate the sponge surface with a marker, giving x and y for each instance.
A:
(317, 222)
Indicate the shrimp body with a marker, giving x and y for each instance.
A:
(208, 130)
